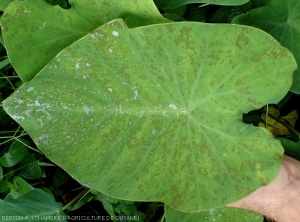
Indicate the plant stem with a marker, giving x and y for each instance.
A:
(75, 198)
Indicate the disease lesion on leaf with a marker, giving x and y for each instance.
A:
(242, 40)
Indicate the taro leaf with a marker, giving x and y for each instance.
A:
(38, 31)
(222, 214)
(29, 167)
(15, 154)
(281, 19)
(82, 201)
(1, 173)
(175, 14)
(60, 177)
(155, 113)
(34, 205)
(107, 204)
(19, 186)
(171, 4)
(5, 182)
(4, 4)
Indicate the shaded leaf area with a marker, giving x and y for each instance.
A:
(143, 104)
(1, 173)
(5, 182)
(4, 4)
(282, 20)
(121, 207)
(16, 152)
(29, 167)
(35, 205)
(119, 210)
(17, 161)
(222, 214)
(211, 13)
(172, 4)
(175, 14)
(8, 83)
(225, 14)
(19, 186)
(38, 31)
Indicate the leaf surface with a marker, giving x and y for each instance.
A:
(281, 19)
(16, 153)
(155, 113)
(38, 31)
(221, 214)
(30, 168)
(4, 4)
(34, 205)
(19, 186)
(172, 4)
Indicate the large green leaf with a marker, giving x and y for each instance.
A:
(29, 167)
(221, 214)
(19, 186)
(15, 154)
(155, 113)
(4, 4)
(34, 205)
(171, 4)
(282, 20)
(38, 31)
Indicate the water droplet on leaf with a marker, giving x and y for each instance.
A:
(115, 33)
(111, 90)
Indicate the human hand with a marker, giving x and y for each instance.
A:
(279, 200)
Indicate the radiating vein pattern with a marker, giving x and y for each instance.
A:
(155, 112)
